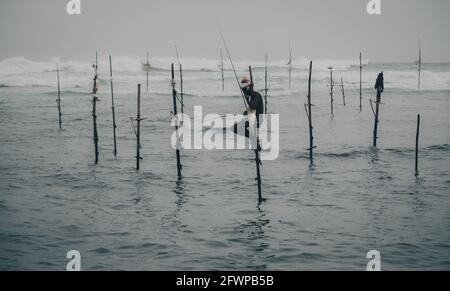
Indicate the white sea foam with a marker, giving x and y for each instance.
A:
(22, 72)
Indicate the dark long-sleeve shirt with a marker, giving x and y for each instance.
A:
(254, 100)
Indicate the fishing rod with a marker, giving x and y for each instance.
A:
(232, 66)
(181, 84)
(222, 70)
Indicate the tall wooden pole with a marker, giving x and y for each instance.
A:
(148, 66)
(343, 90)
(417, 147)
(360, 82)
(174, 95)
(222, 70)
(290, 65)
(138, 129)
(181, 91)
(420, 65)
(266, 85)
(311, 138)
(94, 109)
(258, 147)
(113, 107)
(331, 90)
(58, 101)
(377, 111)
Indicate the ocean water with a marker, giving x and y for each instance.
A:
(355, 199)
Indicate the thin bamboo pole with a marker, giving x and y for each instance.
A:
(311, 138)
(266, 84)
(113, 107)
(360, 82)
(417, 147)
(222, 70)
(94, 110)
(138, 129)
(331, 91)
(258, 147)
(58, 101)
(174, 95)
(343, 91)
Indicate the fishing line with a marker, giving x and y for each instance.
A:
(232, 65)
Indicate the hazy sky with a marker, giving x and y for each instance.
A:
(318, 29)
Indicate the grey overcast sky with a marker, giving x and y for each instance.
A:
(318, 29)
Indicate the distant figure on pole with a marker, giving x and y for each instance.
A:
(379, 85)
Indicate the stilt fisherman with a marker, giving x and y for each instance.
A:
(255, 104)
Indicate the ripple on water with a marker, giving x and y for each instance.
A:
(101, 251)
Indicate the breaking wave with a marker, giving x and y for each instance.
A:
(22, 72)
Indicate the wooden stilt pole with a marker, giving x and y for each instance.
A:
(377, 108)
(58, 101)
(360, 82)
(113, 107)
(331, 90)
(148, 66)
(290, 64)
(94, 109)
(181, 83)
(222, 70)
(181, 91)
(258, 147)
(375, 129)
(417, 147)
(343, 91)
(138, 129)
(266, 85)
(174, 94)
(419, 66)
(311, 138)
